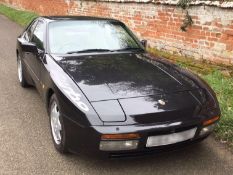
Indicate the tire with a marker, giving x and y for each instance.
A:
(21, 73)
(57, 126)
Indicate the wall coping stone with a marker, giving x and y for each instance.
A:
(217, 3)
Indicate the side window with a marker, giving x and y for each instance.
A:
(25, 36)
(38, 35)
(28, 34)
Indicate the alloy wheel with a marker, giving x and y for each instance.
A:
(55, 123)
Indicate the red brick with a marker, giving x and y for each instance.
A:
(229, 32)
(163, 23)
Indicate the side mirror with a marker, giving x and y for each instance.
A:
(29, 47)
(144, 43)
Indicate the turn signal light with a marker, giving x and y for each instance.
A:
(210, 121)
(120, 136)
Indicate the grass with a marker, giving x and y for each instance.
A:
(21, 17)
(218, 76)
(224, 88)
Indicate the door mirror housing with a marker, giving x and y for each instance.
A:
(41, 55)
(29, 47)
(144, 43)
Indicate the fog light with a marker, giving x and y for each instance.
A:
(117, 145)
(207, 130)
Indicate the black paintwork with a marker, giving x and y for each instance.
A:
(121, 90)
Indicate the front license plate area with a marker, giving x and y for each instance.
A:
(168, 139)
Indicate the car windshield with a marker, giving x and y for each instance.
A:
(67, 37)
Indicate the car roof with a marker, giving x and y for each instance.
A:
(58, 18)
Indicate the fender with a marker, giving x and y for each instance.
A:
(207, 94)
(70, 90)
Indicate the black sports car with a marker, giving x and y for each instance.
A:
(105, 94)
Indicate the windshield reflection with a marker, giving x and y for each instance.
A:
(80, 35)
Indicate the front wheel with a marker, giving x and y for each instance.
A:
(57, 126)
(21, 73)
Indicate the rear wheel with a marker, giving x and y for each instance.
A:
(21, 73)
(57, 126)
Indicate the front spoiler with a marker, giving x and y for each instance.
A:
(85, 140)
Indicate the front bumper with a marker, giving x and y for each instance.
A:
(87, 139)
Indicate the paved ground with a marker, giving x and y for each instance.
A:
(26, 146)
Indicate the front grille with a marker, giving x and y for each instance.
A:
(171, 130)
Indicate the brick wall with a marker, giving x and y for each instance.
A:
(210, 37)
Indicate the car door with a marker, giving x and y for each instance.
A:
(38, 38)
(26, 54)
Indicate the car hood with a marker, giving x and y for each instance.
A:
(132, 88)
(118, 76)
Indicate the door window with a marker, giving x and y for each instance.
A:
(38, 35)
(28, 34)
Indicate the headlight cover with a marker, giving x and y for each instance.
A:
(109, 111)
(118, 145)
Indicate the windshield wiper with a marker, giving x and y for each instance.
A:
(128, 48)
(105, 50)
(89, 50)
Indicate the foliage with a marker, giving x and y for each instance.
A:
(184, 4)
(186, 22)
(224, 88)
(21, 17)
